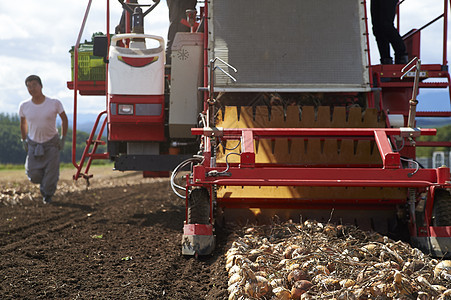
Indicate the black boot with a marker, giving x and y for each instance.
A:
(386, 61)
(401, 60)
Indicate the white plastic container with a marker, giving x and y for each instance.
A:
(137, 70)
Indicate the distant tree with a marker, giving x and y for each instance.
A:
(82, 137)
(11, 149)
(443, 134)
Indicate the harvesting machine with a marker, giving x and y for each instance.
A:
(277, 110)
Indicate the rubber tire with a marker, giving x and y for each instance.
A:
(199, 206)
(441, 212)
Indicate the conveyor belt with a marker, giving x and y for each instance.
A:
(374, 205)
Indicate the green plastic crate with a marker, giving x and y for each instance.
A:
(90, 67)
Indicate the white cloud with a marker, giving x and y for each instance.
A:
(36, 39)
(5, 31)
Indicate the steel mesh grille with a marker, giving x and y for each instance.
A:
(290, 43)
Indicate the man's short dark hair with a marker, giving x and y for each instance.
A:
(35, 78)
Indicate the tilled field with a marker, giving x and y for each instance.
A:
(119, 239)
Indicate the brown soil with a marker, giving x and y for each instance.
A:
(120, 238)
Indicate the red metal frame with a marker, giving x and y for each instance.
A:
(288, 175)
(321, 177)
(206, 63)
(77, 45)
(445, 32)
(387, 175)
(247, 173)
(437, 231)
(92, 154)
(387, 77)
(89, 88)
(136, 132)
(96, 89)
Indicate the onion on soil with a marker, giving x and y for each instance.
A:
(324, 261)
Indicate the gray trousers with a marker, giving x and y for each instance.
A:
(42, 164)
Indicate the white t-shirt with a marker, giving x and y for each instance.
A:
(41, 118)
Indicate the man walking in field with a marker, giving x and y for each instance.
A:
(40, 137)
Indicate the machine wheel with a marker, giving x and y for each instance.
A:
(199, 206)
(441, 212)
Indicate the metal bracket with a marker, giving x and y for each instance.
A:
(413, 102)
(213, 131)
(211, 101)
(410, 132)
(212, 71)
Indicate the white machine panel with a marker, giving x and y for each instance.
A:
(186, 77)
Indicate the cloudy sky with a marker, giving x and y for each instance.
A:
(36, 36)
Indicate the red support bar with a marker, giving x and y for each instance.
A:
(442, 114)
(197, 229)
(445, 33)
(434, 85)
(390, 159)
(211, 205)
(89, 142)
(233, 133)
(443, 175)
(206, 79)
(433, 144)
(410, 84)
(438, 231)
(320, 183)
(290, 203)
(332, 177)
(77, 45)
(186, 198)
(89, 88)
(99, 156)
(108, 49)
(247, 149)
(429, 206)
(93, 155)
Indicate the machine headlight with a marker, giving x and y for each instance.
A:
(125, 109)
